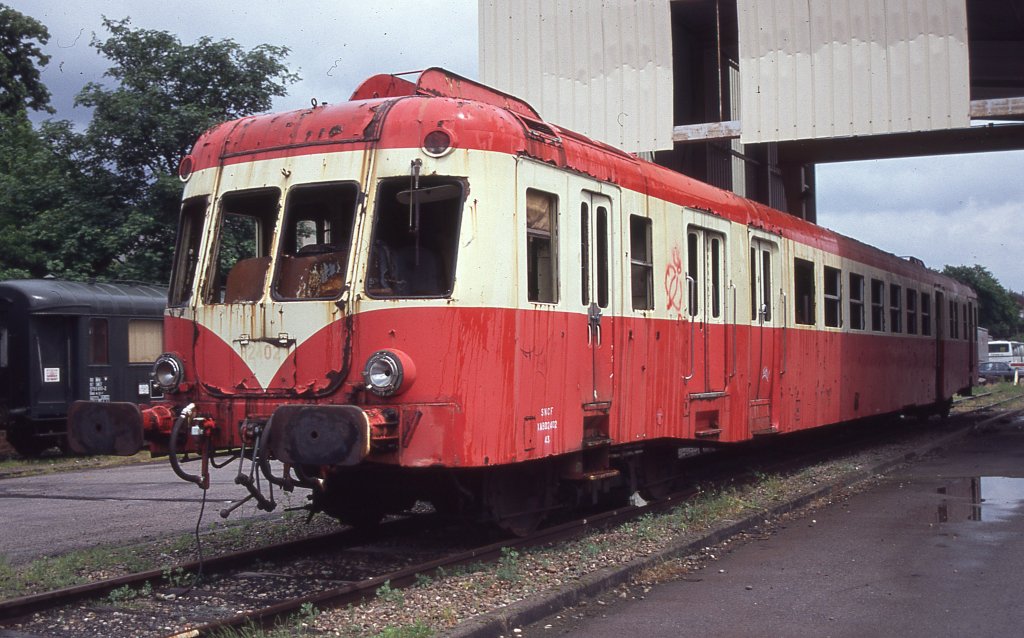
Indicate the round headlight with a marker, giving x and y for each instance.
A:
(185, 168)
(437, 143)
(167, 372)
(388, 372)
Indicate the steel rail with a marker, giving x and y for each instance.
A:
(15, 609)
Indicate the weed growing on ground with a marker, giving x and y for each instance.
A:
(127, 593)
(508, 565)
(389, 594)
(417, 630)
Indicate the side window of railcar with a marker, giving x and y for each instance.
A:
(911, 311)
(833, 297)
(856, 301)
(641, 266)
(803, 288)
(3, 347)
(760, 282)
(877, 305)
(242, 254)
(415, 239)
(145, 340)
(541, 246)
(926, 314)
(692, 272)
(895, 308)
(316, 238)
(953, 332)
(963, 315)
(186, 253)
(99, 341)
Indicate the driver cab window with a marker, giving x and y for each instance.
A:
(242, 255)
(415, 238)
(317, 235)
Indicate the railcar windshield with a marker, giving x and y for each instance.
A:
(186, 254)
(415, 238)
(241, 256)
(317, 237)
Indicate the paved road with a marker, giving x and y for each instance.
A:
(936, 549)
(55, 513)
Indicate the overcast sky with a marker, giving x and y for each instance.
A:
(960, 210)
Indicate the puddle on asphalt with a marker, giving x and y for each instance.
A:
(986, 499)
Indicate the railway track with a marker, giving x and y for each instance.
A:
(248, 587)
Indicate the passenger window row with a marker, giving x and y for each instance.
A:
(870, 306)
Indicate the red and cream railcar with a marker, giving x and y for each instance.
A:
(428, 292)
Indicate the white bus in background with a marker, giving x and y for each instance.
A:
(1011, 352)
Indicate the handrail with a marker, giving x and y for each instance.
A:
(733, 286)
(785, 326)
(691, 284)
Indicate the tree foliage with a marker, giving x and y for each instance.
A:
(997, 309)
(20, 58)
(104, 203)
(166, 94)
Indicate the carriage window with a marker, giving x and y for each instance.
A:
(99, 342)
(963, 314)
(926, 314)
(585, 252)
(415, 238)
(691, 272)
(716, 277)
(803, 287)
(601, 232)
(911, 312)
(3, 347)
(753, 284)
(895, 308)
(641, 266)
(145, 340)
(877, 305)
(953, 333)
(242, 255)
(186, 254)
(760, 274)
(856, 301)
(833, 297)
(541, 246)
(316, 235)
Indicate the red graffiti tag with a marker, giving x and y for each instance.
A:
(674, 281)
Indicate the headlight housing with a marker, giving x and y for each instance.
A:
(168, 372)
(389, 372)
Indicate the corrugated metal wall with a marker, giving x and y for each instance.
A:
(830, 68)
(603, 69)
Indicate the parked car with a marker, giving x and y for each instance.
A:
(995, 371)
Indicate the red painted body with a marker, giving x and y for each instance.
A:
(500, 384)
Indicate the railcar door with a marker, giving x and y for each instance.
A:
(51, 346)
(761, 342)
(711, 304)
(596, 290)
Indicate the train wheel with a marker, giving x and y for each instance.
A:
(658, 472)
(520, 498)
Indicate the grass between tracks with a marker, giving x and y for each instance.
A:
(12, 466)
(109, 561)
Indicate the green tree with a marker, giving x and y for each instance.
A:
(20, 59)
(997, 309)
(165, 94)
(55, 208)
